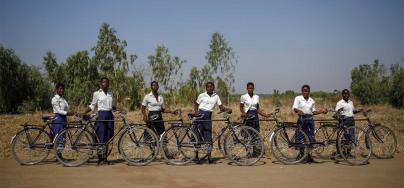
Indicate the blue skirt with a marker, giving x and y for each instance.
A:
(205, 126)
(253, 120)
(104, 129)
(58, 124)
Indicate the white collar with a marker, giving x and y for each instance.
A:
(248, 95)
(151, 94)
(100, 90)
(213, 94)
(305, 99)
(58, 96)
(346, 101)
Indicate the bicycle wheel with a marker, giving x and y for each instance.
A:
(74, 146)
(138, 145)
(351, 143)
(179, 145)
(383, 141)
(289, 144)
(31, 146)
(327, 135)
(244, 146)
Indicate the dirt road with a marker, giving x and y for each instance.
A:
(326, 174)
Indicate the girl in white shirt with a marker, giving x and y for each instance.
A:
(104, 104)
(249, 107)
(60, 109)
(347, 111)
(154, 102)
(304, 107)
(204, 105)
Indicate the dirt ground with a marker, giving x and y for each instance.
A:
(378, 173)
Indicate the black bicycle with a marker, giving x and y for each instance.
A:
(33, 143)
(182, 142)
(291, 144)
(76, 144)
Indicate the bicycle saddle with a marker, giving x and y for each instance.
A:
(190, 115)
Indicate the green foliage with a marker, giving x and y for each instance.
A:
(222, 90)
(397, 86)
(23, 87)
(370, 83)
(110, 53)
(221, 63)
(81, 73)
(112, 61)
(166, 69)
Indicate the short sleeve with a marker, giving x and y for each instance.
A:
(219, 102)
(94, 101)
(295, 104)
(242, 100)
(144, 102)
(199, 99)
(338, 106)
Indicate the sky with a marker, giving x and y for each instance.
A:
(279, 44)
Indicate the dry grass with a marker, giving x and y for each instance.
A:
(383, 114)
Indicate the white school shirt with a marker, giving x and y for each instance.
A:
(102, 101)
(208, 103)
(250, 103)
(152, 103)
(306, 106)
(59, 105)
(348, 108)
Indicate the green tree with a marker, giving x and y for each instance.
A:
(397, 86)
(166, 69)
(38, 92)
(23, 88)
(370, 83)
(222, 88)
(54, 70)
(13, 79)
(222, 60)
(81, 78)
(113, 62)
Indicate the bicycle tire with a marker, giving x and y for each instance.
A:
(383, 141)
(139, 140)
(41, 139)
(354, 151)
(295, 152)
(250, 145)
(74, 146)
(179, 140)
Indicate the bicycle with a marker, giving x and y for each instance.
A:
(78, 143)
(183, 142)
(297, 145)
(355, 151)
(270, 132)
(33, 143)
(380, 138)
